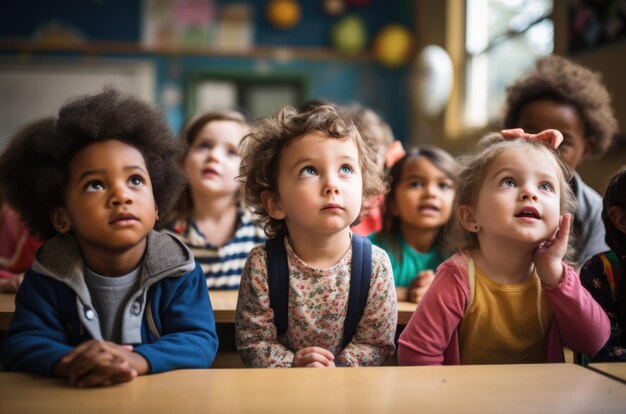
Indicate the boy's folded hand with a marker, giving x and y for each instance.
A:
(97, 363)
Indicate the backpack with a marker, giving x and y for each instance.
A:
(278, 283)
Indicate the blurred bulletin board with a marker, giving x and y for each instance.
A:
(255, 96)
(32, 90)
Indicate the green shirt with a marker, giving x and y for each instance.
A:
(411, 262)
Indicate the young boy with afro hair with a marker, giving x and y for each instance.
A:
(107, 297)
(559, 94)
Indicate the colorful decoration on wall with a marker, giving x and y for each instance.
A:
(349, 34)
(178, 23)
(59, 33)
(334, 7)
(283, 14)
(434, 74)
(393, 46)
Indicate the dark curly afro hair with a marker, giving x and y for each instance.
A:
(34, 168)
(563, 81)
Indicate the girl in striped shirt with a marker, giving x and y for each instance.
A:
(211, 220)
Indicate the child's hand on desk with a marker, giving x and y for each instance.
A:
(10, 282)
(420, 285)
(98, 363)
(549, 255)
(313, 357)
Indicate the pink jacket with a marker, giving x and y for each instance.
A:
(431, 336)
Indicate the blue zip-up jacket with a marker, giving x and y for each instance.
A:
(168, 320)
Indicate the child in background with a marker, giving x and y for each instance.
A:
(603, 276)
(211, 220)
(416, 209)
(306, 175)
(378, 134)
(507, 296)
(559, 94)
(107, 298)
(17, 249)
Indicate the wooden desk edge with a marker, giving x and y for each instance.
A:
(223, 314)
(599, 368)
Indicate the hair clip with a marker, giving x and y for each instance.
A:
(551, 137)
(394, 153)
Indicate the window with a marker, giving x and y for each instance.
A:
(503, 40)
(256, 96)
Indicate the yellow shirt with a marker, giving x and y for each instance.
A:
(505, 324)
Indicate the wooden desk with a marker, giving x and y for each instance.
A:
(7, 307)
(224, 303)
(547, 388)
(615, 370)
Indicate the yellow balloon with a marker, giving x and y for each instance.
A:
(393, 45)
(283, 14)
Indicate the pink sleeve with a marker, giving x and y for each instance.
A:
(430, 336)
(583, 324)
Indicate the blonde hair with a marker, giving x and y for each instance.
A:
(262, 147)
(474, 167)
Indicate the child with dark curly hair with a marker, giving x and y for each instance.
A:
(107, 297)
(306, 174)
(604, 275)
(559, 94)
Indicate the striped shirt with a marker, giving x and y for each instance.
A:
(222, 265)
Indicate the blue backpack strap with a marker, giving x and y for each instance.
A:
(278, 281)
(359, 285)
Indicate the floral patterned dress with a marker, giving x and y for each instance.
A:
(318, 302)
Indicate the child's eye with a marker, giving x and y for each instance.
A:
(416, 184)
(136, 181)
(546, 187)
(508, 182)
(94, 185)
(233, 152)
(346, 169)
(444, 185)
(204, 145)
(308, 172)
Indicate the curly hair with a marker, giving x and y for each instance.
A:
(34, 168)
(474, 168)
(559, 79)
(184, 207)
(391, 224)
(261, 150)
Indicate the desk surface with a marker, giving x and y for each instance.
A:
(223, 302)
(613, 369)
(547, 388)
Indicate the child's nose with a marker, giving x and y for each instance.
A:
(331, 185)
(120, 196)
(528, 194)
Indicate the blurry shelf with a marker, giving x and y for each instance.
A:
(28, 47)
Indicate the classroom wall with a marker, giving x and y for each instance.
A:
(340, 80)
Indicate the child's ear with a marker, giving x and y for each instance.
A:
(60, 220)
(272, 206)
(618, 217)
(467, 219)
